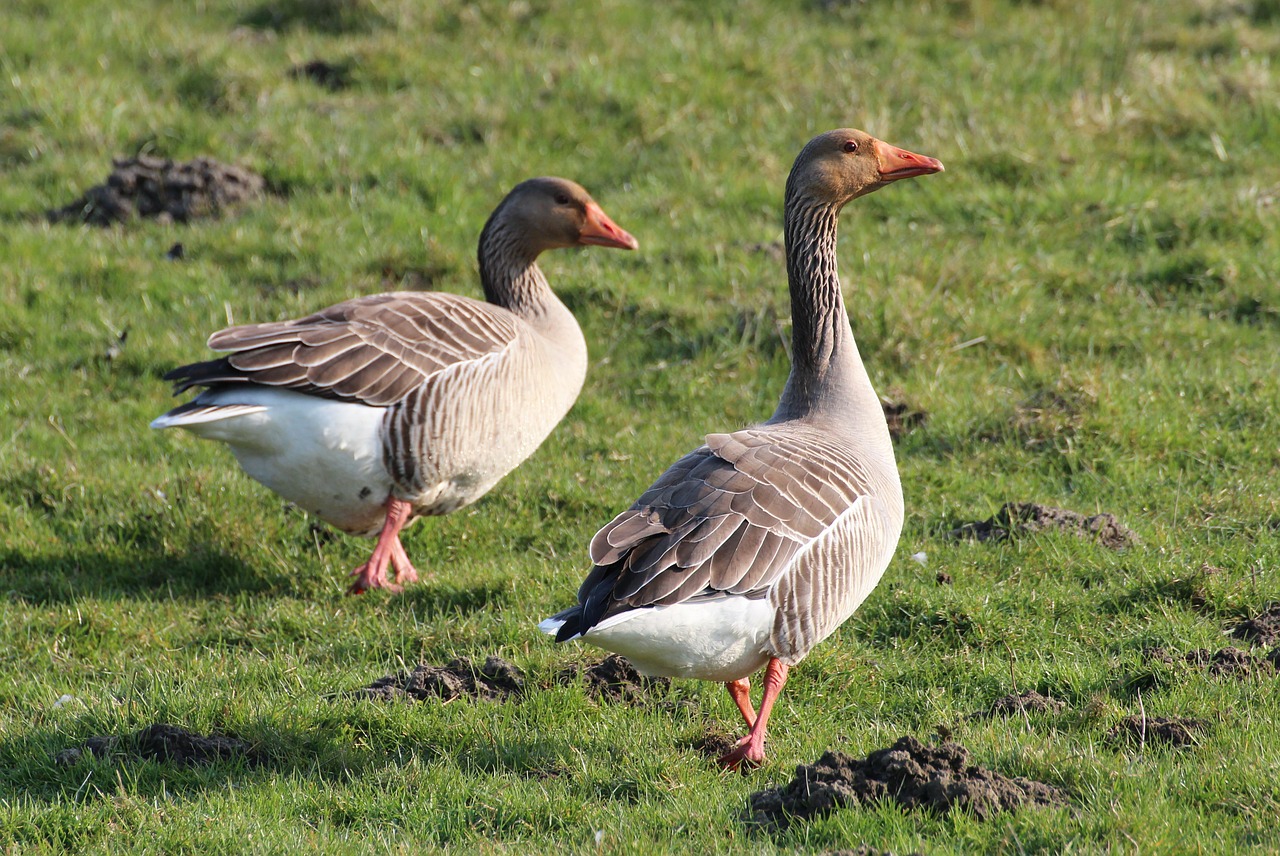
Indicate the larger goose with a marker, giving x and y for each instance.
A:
(382, 409)
(755, 547)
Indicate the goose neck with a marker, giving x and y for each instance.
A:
(826, 370)
(509, 272)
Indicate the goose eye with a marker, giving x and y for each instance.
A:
(850, 146)
(562, 199)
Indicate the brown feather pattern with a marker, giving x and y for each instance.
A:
(733, 517)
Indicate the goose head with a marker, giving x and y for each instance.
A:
(552, 213)
(842, 165)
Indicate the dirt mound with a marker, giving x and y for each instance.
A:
(916, 776)
(1229, 661)
(330, 75)
(774, 250)
(613, 679)
(902, 418)
(1262, 629)
(1024, 518)
(1169, 730)
(1013, 705)
(162, 743)
(496, 680)
(166, 190)
(1162, 667)
(714, 744)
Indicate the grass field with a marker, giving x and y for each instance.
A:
(1085, 304)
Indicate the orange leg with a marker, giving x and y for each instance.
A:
(405, 571)
(750, 750)
(740, 692)
(388, 551)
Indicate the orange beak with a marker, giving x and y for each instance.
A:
(896, 163)
(600, 231)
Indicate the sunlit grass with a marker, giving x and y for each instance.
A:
(1085, 304)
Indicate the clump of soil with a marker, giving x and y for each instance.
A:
(163, 743)
(1262, 629)
(916, 776)
(775, 250)
(1229, 661)
(943, 578)
(901, 417)
(862, 850)
(1022, 518)
(164, 189)
(496, 680)
(714, 744)
(613, 679)
(1012, 705)
(1049, 415)
(332, 76)
(1174, 731)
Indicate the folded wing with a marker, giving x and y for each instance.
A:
(729, 518)
(374, 349)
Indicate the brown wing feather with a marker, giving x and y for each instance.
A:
(373, 349)
(728, 517)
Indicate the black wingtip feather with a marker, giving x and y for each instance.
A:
(205, 373)
(572, 623)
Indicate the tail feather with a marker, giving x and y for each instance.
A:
(194, 413)
(564, 625)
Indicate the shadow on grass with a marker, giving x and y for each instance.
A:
(29, 769)
(333, 17)
(76, 573)
(534, 759)
(434, 598)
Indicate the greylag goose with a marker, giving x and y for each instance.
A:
(755, 547)
(382, 409)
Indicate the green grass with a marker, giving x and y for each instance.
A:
(1085, 303)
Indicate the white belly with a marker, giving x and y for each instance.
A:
(723, 639)
(323, 455)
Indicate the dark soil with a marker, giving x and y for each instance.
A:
(1047, 416)
(165, 744)
(496, 680)
(1012, 705)
(901, 417)
(1023, 518)
(775, 250)
(862, 850)
(332, 76)
(1163, 664)
(1167, 730)
(166, 190)
(613, 679)
(1262, 629)
(916, 776)
(714, 744)
(943, 578)
(1230, 661)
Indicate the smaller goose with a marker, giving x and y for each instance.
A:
(383, 409)
(755, 547)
